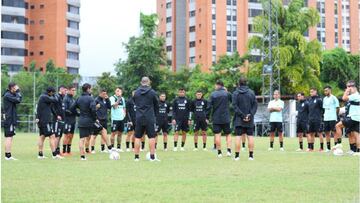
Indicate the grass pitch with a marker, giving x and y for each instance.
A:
(180, 176)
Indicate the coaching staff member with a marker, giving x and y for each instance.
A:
(147, 104)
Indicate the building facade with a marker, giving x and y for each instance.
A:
(40, 30)
(199, 31)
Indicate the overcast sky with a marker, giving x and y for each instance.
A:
(105, 26)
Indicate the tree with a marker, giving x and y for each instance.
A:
(145, 56)
(105, 81)
(355, 61)
(336, 67)
(298, 59)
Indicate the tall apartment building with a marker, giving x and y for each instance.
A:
(39, 30)
(199, 31)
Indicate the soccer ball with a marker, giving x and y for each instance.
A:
(114, 155)
(148, 156)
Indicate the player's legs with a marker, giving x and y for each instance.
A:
(8, 144)
(176, 137)
(272, 137)
(183, 139)
(218, 143)
(92, 143)
(338, 133)
(251, 146)
(328, 139)
(204, 137)
(321, 138)
(143, 142)
(243, 141)
(300, 136)
(112, 138)
(165, 140)
(68, 150)
(119, 135)
(196, 138)
(65, 143)
(228, 144)
(281, 140)
(238, 141)
(127, 140)
(87, 144)
(352, 142)
(41, 141)
(357, 137)
(82, 147)
(52, 140)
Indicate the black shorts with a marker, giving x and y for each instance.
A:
(200, 125)
(182, 125)
(301, 127)
(9, 130)
(162, 126)
(225, 128)
(239, 130)
(69, 128)
(329, 126)
(314, 126)
(58, 128)
(46, 129)
(351, 124)
(141, 128)
(85, 132)
(117, 126)
(98, 128)
(276, 126)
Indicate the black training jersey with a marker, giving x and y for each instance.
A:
(164, 109)
(131, 110)
(70, 117)
(315, 109)
(181, 109)
(302, 108)
(199, 107)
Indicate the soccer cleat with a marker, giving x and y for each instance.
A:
(236, 158)
(175, 149)
(219, 155)
(195, 149)
(141, 150)
(327, 150)
(282, 149)
(204, 149)
(251, 158)
(42, 157)
(243, 149)
(153, 160)
(165, 149)
(58, 157)
(128, 150)
(182, 149)
(350, 152)
(93, 152)
(136, 159)
(83, 159)
(299, 150)
(10, 158)
(337, 146)
(228, 154)
(271, 149)
(308, 150)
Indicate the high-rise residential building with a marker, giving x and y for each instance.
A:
(40, 30)
(199, 31)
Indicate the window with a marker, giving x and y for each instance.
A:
(250, 28)
(228, 45)
(168, 34)
(254, 12)
(32, 6)
(6, 51)
(199, 41)
(168, 48)
(192, 44)
(72, 40)
(73, 9)
(214, 44)
(168, 19)
(234, 48)
(41, 53)
(42, 6)
(41, 37)
(31, 37)
(192, 59)
(234, 29)
(13, 3)
(336, 38)
(213, 58)
(213, 16)
(13, 67)
(228, 2)
(73, 55)
(13, 19)
(73, 24)
(168, 5)
(31, 53)
(228, 30)
(336, 9)
(41, 22)
(192, 29)
(192, 13)
(32, 22)
(234, 2)
(336, 23)
(228, 14)
(72, 70)
(213, 1)
(14, 35)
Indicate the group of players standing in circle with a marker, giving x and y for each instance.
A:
(146, 113)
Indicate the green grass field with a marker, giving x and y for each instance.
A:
(180, 176)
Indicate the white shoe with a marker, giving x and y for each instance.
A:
(153, 160)
(136, 160)
(10, 158)
(165, 149)
(308, 150)
(243, 149)
(299, 150)
(350, 152)
(237, 159)
(58, 157)
(282, 149)
(204, 149)
(83, 159)
(337, 146)
(42, 157)
(93, 152)
(228, 154)
(219, 155)
(356, 154)
(182, 149)
(175, 149)
(128, 150)
(327, 150)
(251, 158)
(271, 149)
(141, 150)
(195, 149)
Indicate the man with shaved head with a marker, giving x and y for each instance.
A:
(147, 105)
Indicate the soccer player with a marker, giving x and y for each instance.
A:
(315, 117)
(302, 108)
(131, 120)
(162, 124)
(118, 113)
(70, 120)
(331, 110)
(275, 108)
(60, 116)
(219, 103)
(45, 114)
(11, 98)
(181, 118)
(146, 102)
(103, 104)
(245, 107)
(352, 96)
(86, 104)
(199, 111)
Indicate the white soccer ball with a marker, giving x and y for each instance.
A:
(148, 156)
(114, 155)
(338, 152)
